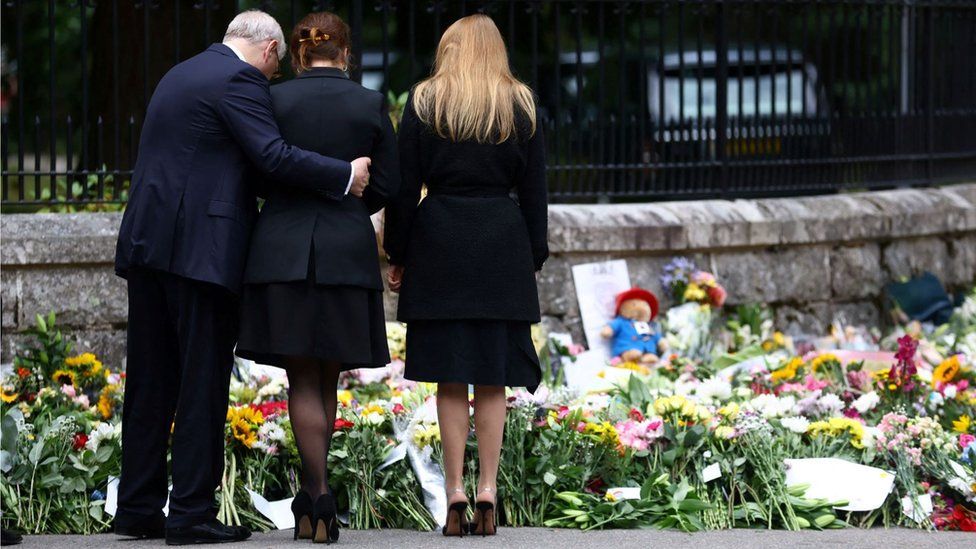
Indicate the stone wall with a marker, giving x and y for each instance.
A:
(813, 259)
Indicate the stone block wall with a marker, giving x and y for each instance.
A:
(813, 259)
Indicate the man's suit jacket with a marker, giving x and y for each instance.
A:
(209, 131)
(321, 110)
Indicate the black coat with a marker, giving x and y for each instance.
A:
(209, 130)
(469, 250)
(323, 111)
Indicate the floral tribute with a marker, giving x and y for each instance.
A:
(697, 442)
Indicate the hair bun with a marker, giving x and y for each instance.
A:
(313, 35)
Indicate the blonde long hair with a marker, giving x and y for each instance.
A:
(472, 93)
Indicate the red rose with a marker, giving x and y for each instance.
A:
(80, 440)
(636, 414)
(398, 408)
(341, 424)
(716, 295)
(22, 372)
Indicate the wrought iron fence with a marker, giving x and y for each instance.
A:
(642, 100)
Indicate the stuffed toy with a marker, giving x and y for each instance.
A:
(634, 337)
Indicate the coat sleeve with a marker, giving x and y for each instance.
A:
(246, 110)
(384, 172)
(401, 210)
(533, 197)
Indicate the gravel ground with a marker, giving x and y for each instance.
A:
(539, 538)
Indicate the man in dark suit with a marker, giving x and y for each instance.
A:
(208, 137)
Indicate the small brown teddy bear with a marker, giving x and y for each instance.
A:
(635, 338)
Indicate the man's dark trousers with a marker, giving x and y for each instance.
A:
(181, 339)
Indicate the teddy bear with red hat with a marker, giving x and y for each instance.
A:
(635, 338)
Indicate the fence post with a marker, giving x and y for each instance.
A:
(929, 88)
(721, 95)
(356, 29)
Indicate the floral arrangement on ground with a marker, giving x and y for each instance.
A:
(704, 440)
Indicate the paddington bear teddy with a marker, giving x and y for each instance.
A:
(634, 337)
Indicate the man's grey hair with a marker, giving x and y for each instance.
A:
(256, 26)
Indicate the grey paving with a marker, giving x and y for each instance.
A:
(538, 538)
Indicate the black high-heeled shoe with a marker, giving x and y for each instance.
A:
(325, 527)
(301, 507)
(457, 520)
(483, 522)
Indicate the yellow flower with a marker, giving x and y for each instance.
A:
(371, 409)
(946, 370)
(604, 431)
(634, 366)
(86, 362)
(816, 363)
(788, 370)
(779, 339)
(8, 395)
(962, 424)
(242, 431)
(724, 432)
(730, 410)
(609, 497)
(246, 414)
(425, 435)
(105, 406)
(880, 374)
(344, 397)
(694, 292)
(836, 426)
(64, 377)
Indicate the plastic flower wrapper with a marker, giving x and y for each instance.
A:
(418, 433)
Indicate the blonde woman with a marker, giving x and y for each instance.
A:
(464, 259)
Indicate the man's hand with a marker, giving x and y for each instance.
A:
(395, 276)
(360, 178)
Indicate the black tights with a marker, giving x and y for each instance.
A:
(312, 409)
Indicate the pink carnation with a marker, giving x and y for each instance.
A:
(966, 439)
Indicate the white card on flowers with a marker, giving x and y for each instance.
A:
(864, 488)
(278, 512)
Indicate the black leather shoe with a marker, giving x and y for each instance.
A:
(152, 528)
(211, 531)
(10, 537)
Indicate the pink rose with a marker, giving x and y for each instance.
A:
(966, 439)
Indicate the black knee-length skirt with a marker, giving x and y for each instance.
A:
(344, 324)
(477, 352)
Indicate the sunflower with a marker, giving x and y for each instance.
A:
(242, 431)
(64, 377)
(816, 363)
(788, 370)
(962, 424)
(8, 395)
(946, 370)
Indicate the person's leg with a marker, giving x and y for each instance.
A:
(306, 410)
(206, 329)
(453, 418)
(329, 382)
(152, 383)
(489, 425)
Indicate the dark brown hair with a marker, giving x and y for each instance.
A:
(320, 35)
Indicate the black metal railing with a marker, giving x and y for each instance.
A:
(642, 100)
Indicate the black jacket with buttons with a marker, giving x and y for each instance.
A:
(322, 110)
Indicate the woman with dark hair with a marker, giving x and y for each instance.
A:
(464, 258)
(313, 296)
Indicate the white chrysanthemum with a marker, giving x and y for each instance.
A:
(797, 424)
(101, 433)
(830, 404)
(771, 406)
(714, 389)
(866, 402)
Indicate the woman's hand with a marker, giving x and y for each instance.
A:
(394, 276)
